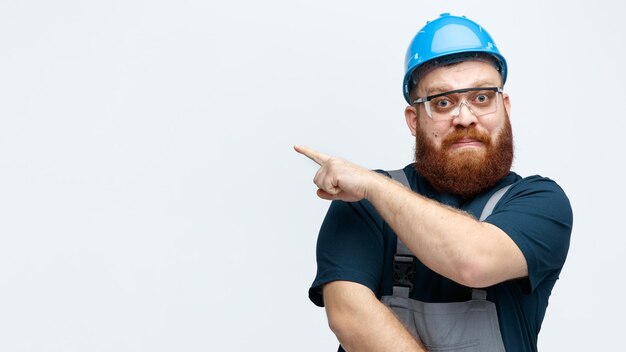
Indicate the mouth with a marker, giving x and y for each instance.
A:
(467, 143)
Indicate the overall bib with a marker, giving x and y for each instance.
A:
(455, 326)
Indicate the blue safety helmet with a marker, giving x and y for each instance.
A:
(449, 39)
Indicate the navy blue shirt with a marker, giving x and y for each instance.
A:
(355, 244)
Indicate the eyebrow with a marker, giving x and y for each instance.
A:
(446, 87)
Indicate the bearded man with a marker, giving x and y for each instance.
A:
(464, 255)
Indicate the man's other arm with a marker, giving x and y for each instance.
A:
(362, 323)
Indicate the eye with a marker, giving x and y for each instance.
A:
(441, 103)
(483, 97)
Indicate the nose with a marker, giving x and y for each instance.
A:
(464, 118)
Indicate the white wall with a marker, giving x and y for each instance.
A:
(150, 199)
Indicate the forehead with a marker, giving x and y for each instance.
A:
(466, 74)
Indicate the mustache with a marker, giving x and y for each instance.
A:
(466, 133)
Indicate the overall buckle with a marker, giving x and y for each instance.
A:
(404, 271)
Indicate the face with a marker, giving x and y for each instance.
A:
(465, 155)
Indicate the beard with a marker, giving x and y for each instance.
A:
(465, 172)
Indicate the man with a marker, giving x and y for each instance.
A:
(472, 284)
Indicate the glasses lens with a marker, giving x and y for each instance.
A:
(447, 107)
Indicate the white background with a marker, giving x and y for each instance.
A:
(150, 199)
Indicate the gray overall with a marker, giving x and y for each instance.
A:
(455, 326)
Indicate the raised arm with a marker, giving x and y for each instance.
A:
(450, 242)
(470, 252)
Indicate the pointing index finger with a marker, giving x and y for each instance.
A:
(319, 158)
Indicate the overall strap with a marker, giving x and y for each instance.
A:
(404, 260)
(400, 176)
(480, 294)
(491, 203)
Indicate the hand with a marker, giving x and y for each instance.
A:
(339, 179)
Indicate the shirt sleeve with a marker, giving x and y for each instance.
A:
(537, 215)
(349, 247)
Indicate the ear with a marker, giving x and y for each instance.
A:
(507, 103)
(410, 114)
